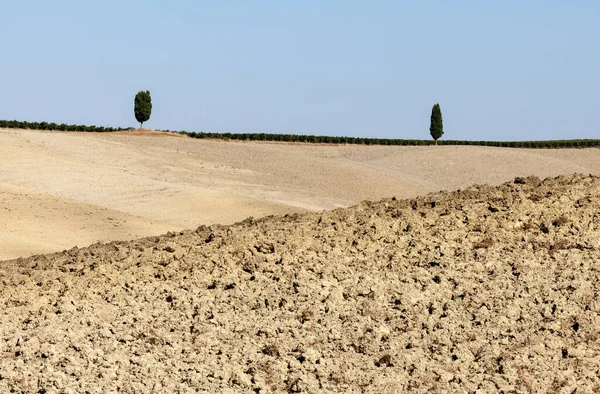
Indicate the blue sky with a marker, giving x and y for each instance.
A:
(509, 70)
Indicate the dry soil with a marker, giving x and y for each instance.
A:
(59, 190)
(490, 289)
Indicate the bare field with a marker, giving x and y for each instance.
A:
(491, 289)
(59, 190)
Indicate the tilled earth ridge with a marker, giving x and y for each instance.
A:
(489, 289)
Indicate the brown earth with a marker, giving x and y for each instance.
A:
(59, 190)
(490, 289)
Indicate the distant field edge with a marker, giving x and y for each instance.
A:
(318, 139)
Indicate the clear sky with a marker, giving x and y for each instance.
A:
(501, 70)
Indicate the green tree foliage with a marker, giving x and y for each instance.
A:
(142, 106)
(437, 127)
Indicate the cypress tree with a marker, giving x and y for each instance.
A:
(437, 127)
(142, 106)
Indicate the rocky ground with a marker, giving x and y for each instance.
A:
(488, 289)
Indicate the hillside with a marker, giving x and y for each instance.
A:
(59, 190)
(489, 288)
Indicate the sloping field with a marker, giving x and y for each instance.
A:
(58, 190)
(490, 289)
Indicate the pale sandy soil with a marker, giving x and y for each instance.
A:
(59, 190)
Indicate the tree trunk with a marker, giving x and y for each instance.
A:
(141, 125)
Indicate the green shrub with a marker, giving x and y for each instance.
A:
(436, 128)
(142, 106)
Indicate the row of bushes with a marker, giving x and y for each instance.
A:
(319, 139)
(16, 124)
(582, 143)
(586, 143)
(553, 144)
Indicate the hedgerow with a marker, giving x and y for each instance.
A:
(321, 139)
(16, 124)
(579, 143)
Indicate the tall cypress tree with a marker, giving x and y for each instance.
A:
(437, 126)
(142, 106)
